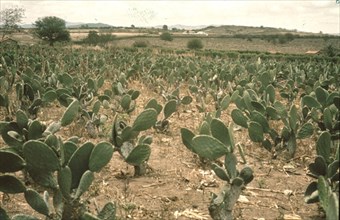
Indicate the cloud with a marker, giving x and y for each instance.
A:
(312, 16)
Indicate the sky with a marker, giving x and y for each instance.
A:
(303, 15)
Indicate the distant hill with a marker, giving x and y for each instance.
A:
(88, 25)
(76, 25)
(183, 27)
(232, 30)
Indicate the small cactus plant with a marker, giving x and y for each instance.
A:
(124, 138)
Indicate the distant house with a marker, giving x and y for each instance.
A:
(313, 52)
(196, 33)
(202, 33)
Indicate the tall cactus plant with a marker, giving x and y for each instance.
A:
(325, 169)
(213, 146)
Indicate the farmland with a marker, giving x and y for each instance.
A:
(158, 130)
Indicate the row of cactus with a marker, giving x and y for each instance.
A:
(214, 141)
(211, 77)
(322, 107)
(16, 133)
(255, 114)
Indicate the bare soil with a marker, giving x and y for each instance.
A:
(178, 186)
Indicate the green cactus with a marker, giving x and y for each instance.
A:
(49, 96)
(323, 146)
(79, 162)
(66, 80)
(326, 169)
(260, 119)
(255, 131)
(126, 102)
(220, 172)
(145, 120)
(124, 138)
(66, 151)
(65, 182)
(10, 184)
(3, 214)
(152, 103)
(35, 130)
(100, 156)
(186, 100)
(12, 136)
(71, 113)
(169, 108)
(108, 212)
(230, 162)
(306, 130)
(52, 128)
(21, 119)
(204, 128)
(220, 132)
(34, 199)
(10, 162)
(84, 183)
(40, 156)
(239, 118)
(246, 175)
(310, 101)
(209, 147)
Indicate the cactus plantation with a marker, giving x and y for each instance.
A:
(146, 133)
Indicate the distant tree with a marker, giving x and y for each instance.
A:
(84, 26)
(140, 43)
(165, 27)
(9, 18)
(166, 36)
(195, 44)
(132, 26)
(52, 29)
(94, 38)
(330, 51)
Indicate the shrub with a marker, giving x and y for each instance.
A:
(166, 36)
(330, 51)
(195, 44)
(94, 38)
(140, 43)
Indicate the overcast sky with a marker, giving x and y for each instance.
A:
(303, 15)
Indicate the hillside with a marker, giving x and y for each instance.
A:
(231, 30)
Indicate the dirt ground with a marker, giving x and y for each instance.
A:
(178, 187)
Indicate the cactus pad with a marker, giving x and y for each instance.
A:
(138, 155)
(145, 120)
(10, 184)
(40, 156)
(209, 147)
(100, 156)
